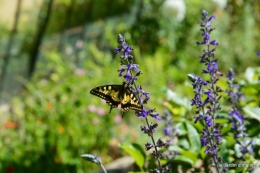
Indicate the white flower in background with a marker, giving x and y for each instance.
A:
(220, 3)
(175, 8)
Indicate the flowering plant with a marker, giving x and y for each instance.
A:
(127, 72)
(207, 109)
(206, 101)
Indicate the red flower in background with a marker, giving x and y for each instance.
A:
(11, 125)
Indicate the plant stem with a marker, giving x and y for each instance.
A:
(104, 169)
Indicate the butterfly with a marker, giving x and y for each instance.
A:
(118, 94)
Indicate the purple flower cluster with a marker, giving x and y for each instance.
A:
(236, 116)
(206, 99)
(171, 132)
(130, 72)
(127, 67)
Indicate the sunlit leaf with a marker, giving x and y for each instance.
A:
(183, 159)
(137, 152)
(253, 112)
(172, 96)
(194, 137)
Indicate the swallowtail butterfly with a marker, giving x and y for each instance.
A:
(118, 94)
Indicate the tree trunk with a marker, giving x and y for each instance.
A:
(42, 25)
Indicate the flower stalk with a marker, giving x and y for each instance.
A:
(236, 116)
(130, 72)
(206, 99)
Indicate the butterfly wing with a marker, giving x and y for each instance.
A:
(110, 93)
(129, 101)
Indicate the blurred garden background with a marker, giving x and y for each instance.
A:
(53, 52)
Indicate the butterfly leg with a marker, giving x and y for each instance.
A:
(111, 107)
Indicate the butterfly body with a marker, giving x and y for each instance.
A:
(118, 94)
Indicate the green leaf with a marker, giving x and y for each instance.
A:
(176, 148)
(183, 159)
(194, 138)
(253, 112)
(222, 120)
(184, 143)
(184, 154)
(224, 151)
(251, 75)
(203, 153)
(174, 97)
(230, 140)
(197, 125)
(192, 155)
(137, 152)
(226, 129)
(181, 128)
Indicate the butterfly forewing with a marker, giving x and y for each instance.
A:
(109, 93)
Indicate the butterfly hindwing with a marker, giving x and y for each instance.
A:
(118, 94)
(130, 101)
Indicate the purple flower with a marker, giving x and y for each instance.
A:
(121, 71)
(155, 116)
(203, 141)
(171, 132)
(209, 94)
(133, 66)
(167, 131)
(197, 118)
(206, 93)
(236, 116)
(128, 77)
(213, 67)
(128, 69)
(206, 30)
(197, 101)
(124, 48)
(117, 50)
(208, 121)
(142, 113)
(213, 42)
(207, 37)
(231, 74)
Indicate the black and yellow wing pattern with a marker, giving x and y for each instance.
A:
(118, 94)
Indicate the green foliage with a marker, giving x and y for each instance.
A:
(55, 117)
(194, 138)
(137, 152)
